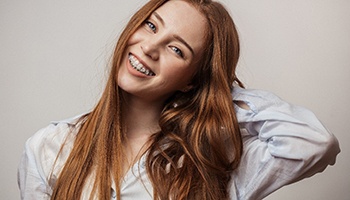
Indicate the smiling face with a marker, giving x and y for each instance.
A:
(162, 55)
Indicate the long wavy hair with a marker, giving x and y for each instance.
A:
(198, 129)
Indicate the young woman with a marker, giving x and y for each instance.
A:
(174, 121)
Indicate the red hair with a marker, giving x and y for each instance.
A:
(201, 133)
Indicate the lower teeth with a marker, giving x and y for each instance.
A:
(140, 68)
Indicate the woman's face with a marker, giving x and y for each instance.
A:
(161, 55)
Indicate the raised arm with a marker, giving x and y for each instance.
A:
(283, 143)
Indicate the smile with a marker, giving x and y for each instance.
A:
(135, 63)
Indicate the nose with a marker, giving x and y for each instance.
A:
(151, 49)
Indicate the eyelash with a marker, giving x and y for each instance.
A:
(153, 28)
(177, 51)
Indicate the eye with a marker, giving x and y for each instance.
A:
(151, 26)
(177, 51)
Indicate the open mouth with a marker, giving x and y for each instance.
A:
(136, 64)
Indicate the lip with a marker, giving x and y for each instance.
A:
(133, 71)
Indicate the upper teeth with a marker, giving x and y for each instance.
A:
(135, 63)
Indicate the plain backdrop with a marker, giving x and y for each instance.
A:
(54, 57)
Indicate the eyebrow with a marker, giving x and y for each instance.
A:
(177, 37)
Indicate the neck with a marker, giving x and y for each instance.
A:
(142, 120)
(141, 117)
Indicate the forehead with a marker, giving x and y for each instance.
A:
(183, 19)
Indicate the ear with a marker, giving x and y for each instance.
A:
(186, 88)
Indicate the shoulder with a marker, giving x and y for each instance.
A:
(44, 156)
(256, 99)
(45, 145)
(250, 104)
(54, 134)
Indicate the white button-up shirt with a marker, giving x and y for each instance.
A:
(282, 143)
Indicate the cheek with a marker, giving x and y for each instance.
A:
(122, 71)
(182, 76)
(135, 38)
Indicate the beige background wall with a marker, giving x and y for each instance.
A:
(53, 56)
